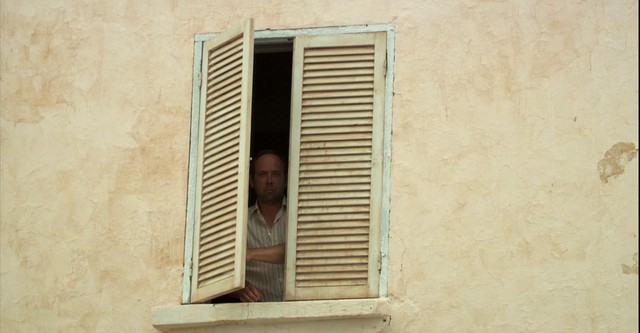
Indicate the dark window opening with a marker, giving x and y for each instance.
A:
(271, 102)
(270, 106)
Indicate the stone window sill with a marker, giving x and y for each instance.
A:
(353, 315)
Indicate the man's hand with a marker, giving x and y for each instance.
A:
(249, 293)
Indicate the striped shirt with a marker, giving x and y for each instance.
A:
(268, 278)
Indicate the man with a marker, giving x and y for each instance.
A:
(267, 225)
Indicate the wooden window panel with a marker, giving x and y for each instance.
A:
(223, 161)
(336, 154)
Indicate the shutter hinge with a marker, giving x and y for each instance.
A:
(199, 79)
(382, 255)
(385, 66)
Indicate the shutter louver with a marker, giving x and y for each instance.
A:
(335, 206)
(220, 233)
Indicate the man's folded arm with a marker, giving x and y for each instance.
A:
(272, 254)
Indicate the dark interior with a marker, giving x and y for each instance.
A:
(271, 102)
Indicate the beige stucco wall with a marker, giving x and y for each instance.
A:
(513, 209)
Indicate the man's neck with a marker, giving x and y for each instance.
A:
(269, 211)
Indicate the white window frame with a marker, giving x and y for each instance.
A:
(193, 153)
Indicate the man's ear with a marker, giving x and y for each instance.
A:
(251, 182)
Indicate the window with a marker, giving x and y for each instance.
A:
(338, 148)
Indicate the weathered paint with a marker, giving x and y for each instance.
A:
(615, 159)
(499, 220)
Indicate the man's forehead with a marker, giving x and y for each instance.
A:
(266, 160)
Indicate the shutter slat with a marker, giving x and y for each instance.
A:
(346, 181)
(346, 129)
(337, 66)
(226, 223)
(333, 86)
(329, 238)
(316, 250)
(348, 283)
(335, 94)
(219, 144)
(336, 166)
(334, 173)
(338, 50)
(334, 188)
(334, 203)
(313, 231)
(367, 57)
(221, 65)
(225, 132)
(335, 196)
(230, 84)
(226, 106)
(364, 122)
(334, 100)
(340, 115)
(365, 149)
(312, 145)
(351, 260)
(226, 236)
(334, 225)
(215, 191)
(212, 162)
(214, 271)
(335, 217)
(225, 248)
(333, 276)
(231, 96)
(224, 150)
(332, 253)
(310, 81)
(337, 108)
(364, 158)
(344, 72)
(231, 72)
(329, 138)
(215, 255)
(344, 267)
(218, 222)
(225, 49)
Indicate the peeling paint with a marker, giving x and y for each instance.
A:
(615, 160)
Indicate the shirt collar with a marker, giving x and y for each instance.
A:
(254, 208)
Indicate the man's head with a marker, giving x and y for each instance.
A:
(268, 176)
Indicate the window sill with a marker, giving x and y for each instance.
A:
(353, 315)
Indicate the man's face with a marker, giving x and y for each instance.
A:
(269, 179)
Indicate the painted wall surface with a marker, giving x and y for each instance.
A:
(514, 177)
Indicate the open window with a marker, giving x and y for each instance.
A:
(320, 99)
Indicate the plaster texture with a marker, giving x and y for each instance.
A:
(514, 175)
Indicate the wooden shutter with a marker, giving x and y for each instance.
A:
(223, 160)
(336, 166)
